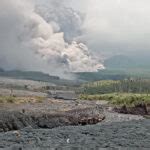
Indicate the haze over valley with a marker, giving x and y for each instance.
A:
(74, 74)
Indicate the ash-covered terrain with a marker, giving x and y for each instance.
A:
(28, 122)
(119, 135)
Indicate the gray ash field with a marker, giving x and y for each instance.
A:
(127, 135)
(22, 121)
(117, 131)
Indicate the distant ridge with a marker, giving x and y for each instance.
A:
(120, 62)
(37, 76)
(30, 75)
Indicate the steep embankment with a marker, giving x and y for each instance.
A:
(48, 114)
(54, 113)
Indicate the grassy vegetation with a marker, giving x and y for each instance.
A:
(18, 100)
(128, 99)
(7, 99)
(130, 85)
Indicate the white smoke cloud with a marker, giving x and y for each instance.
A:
(28, 41)
(62, 17)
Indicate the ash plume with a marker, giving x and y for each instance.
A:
(62, 18)
(29, 41)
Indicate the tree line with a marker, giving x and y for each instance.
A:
(122, 86)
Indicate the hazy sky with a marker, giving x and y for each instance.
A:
(117, 25)
(50, 27)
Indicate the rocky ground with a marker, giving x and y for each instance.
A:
(49, 114)
(53, 113)
(56, 124)
(123, 135)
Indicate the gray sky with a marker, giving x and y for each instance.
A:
(114, 26)
(121, 26)
(48, 27)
